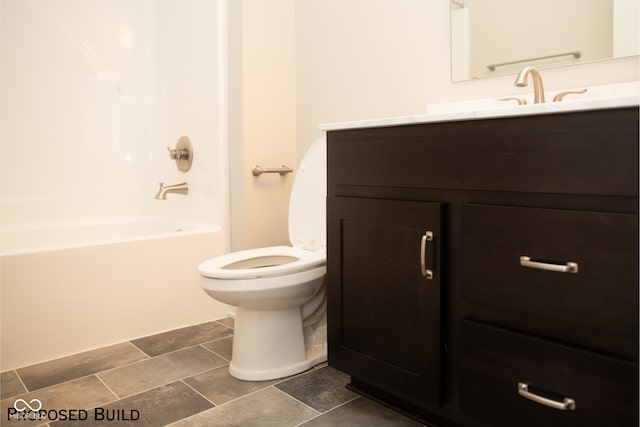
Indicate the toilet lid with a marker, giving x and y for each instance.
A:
(261, 262)
(307, 205)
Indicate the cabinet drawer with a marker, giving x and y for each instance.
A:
(496, 361)
(602, 294)
(587, 153)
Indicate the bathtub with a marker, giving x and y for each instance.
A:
(67, 288)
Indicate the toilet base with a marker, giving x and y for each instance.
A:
(270, 344)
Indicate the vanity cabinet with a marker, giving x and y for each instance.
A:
(485, 272)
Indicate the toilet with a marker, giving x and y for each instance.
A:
(278, 292)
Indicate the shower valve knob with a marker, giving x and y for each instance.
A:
(178, 154)
(182, 154)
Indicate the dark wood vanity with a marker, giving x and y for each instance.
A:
(485, 272)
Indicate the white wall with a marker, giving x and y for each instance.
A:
(360, 59)
(263, 117)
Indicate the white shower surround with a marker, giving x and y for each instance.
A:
(92, 94)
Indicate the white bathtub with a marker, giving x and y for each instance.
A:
(39, 237)
(66, 289)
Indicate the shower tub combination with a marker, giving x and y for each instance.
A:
(93, 94)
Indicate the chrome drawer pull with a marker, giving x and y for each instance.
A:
(426, 237)
(570, 267)
(566, 405)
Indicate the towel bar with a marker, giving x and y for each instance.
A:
(575, 54)
(282, 170)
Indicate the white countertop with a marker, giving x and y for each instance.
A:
(623, 95)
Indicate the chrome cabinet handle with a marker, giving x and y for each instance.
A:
(567, 404)
(426, 237)
(570, 267)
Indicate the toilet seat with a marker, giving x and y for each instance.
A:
(262, 262)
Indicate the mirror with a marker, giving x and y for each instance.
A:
(496, 37)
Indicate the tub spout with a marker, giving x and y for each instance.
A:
(181, 188)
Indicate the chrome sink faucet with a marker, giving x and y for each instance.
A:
(538, 89)
(181, 188)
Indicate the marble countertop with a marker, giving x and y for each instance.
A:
(599, 98)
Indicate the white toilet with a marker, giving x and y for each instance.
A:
(278, 292)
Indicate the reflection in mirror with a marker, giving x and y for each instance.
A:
(497, 37)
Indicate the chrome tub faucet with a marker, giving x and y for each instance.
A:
(181, 188)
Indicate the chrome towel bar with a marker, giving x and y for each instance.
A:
(282, 170)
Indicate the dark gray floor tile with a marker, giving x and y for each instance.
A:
(223, 347)
(362, 412)
(10, 385)
(82, 393)
(264, 408)
(159, 370)
(219, 386)
(79, 365)
(182, 338)
(157, 407)
(322, 388)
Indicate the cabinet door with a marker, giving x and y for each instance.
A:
(383, 286)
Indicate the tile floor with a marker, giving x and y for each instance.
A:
(180, 378)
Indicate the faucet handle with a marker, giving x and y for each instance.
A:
(560, 96)
(177, 154)
(521, 101)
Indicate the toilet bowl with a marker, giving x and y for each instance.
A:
(278, 291)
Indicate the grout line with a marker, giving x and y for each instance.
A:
(183, 348)
(330, 410)
(213, 352)
(202, 395)
(301, 374)
(245, 395)
(21, 382)
(66, 382)
(218, 355)
(298, 400)
(82, 376)
(139, 349)
(108, 388)
(220, 323)
(157, 335)
(155, 357)
(171, 381)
